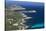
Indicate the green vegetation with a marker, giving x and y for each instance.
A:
(13, 18)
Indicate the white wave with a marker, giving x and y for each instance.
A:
(28, 18)
(23, 14)
(33, 11)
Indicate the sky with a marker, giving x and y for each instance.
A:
(29, 0)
